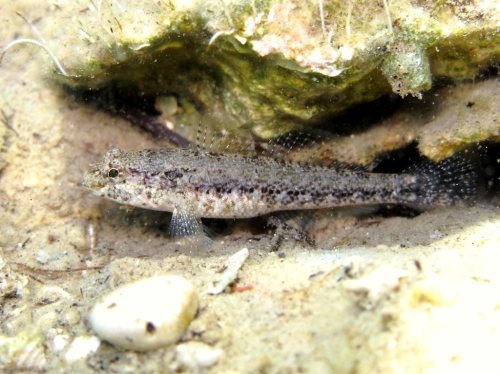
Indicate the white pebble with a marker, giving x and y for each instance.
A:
(166, 105)
(147, 314)
(81, 347)
(195, 356)
(59, 342)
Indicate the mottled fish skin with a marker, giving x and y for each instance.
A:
(219, 185)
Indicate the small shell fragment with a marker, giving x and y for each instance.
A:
(146, 315)
(24, 351)
(235, 262)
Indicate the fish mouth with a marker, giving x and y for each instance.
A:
(92, 179)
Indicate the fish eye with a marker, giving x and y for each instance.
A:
(113, 173)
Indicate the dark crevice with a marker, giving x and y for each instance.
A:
(362, 116)
(399, 160)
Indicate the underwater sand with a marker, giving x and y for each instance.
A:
(395, 295)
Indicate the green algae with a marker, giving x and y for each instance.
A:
(24, 351)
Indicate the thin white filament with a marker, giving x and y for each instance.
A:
(322, 15)
(389, 21)
(32, 41)
(32, 27)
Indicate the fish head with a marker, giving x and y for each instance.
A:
(107, 178)
(144, 178)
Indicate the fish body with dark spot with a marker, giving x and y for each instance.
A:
(220, 185)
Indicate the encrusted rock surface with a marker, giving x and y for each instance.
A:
(276, 65)
(447, 121)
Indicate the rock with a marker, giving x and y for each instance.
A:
(462, 116)
(277, 65)
(195, 356)
(443, 123)
(59, 342)
(81, 347)
(145, 315)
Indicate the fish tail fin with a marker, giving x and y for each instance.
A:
(452, 181)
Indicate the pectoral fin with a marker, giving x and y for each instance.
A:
(186, 229)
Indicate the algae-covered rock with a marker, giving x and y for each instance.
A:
(24, 351)
(272, 65)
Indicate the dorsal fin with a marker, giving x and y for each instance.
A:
(213, 135)
(296, 147)
(219, 133)
(308, 147)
